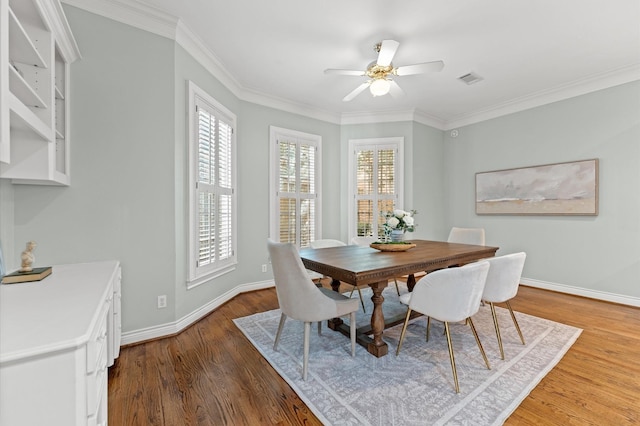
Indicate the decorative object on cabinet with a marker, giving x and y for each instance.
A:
(554, 189)
(36, 49)
(28, 257)
(35, 274)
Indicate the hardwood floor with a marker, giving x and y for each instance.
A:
(211, 375)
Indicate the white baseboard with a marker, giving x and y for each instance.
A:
(580, 291)
(169, 329)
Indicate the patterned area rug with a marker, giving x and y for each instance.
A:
(415, 388)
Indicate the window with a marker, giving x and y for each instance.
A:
(294, 186)
(375, 183)
(212, 180)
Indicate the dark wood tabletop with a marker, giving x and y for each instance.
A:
(359, 265)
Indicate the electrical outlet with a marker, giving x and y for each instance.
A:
(162, 301)
(264, 268)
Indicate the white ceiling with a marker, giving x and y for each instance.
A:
(528, 51)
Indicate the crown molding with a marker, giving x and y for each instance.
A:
(148, 18)
(391, 116)
(286, 105)
(570, 90)
(368, 117)
(429, 120)
(194, 45)
(132, 13)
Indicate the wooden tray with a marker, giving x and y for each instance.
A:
(392, 246)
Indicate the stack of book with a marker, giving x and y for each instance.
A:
(36, 274)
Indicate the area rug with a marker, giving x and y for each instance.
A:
(416, 387)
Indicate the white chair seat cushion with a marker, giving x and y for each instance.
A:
(404, 299)
(345, 304)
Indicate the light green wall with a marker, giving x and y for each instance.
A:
(128, 192)
(600, 253)
(120, 202)
(429, 190)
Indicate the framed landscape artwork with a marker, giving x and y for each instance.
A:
(553, 189)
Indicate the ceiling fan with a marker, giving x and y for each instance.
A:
(380, 72)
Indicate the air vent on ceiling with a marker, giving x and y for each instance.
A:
(470, 78)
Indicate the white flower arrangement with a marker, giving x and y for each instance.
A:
(400, 220)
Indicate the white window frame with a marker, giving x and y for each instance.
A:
(200, 274)
(355, 145)
(275, 134)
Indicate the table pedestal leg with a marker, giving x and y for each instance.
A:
(377, 347)
(369, 336)
(411, 282)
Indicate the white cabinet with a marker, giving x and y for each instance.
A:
(36, 48)
(57, 338)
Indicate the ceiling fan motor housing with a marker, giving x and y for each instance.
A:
(376, 72)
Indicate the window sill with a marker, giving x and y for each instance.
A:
(210, 275)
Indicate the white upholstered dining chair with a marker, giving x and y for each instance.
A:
(466, 236)
(327, 242)
(301, 300)
(502, 285)
(448, 295)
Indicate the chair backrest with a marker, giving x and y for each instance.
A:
(298, 296)
(467, 236)
(326, 243)
(504, 277)
(451, 294)
(363, 241)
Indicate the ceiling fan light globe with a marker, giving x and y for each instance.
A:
(380, 87)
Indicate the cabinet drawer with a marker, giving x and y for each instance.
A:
(97, 386)
(97, 347)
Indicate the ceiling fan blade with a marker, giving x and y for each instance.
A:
(344, 72)
(395, 90)
(387, 51)
(433, 66)
(356, 91)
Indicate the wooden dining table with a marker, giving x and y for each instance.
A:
(359, 266)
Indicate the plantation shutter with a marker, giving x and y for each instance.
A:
(296, 192)
(214, 185)
(376, 187)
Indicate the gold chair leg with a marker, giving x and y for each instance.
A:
(397, 288)
(497, 328)
(404, 328)
(475, 334)
(354, 288)
(513, 317)
(428, 327)
(361, 299)
(283, 317)
(451, 357)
